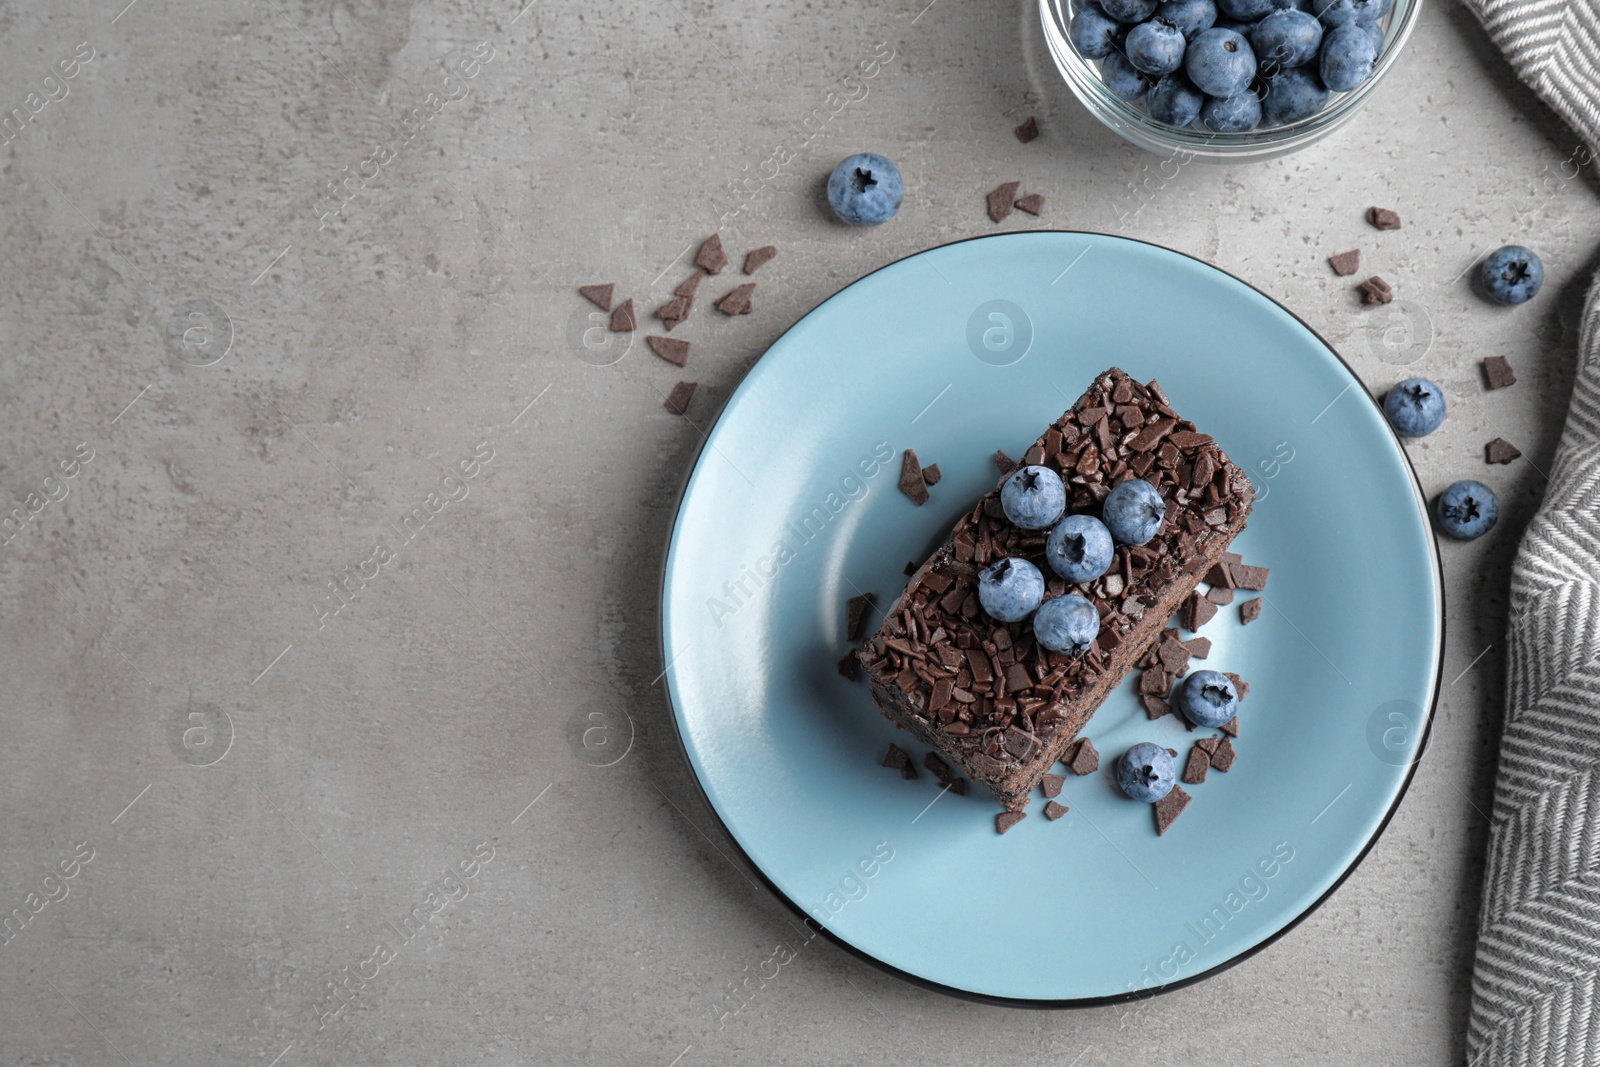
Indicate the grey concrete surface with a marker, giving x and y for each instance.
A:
(264, 787)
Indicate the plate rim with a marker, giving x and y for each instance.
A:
(1040, 1003)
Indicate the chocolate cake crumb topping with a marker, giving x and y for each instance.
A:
(711, 258)
(1249, 611)
(1033, 204)
(931, 474)
(689, 285)
(669, 349)
(911, 483)
(1007, 819)
(1169, 807)
(622, 319)
(1002, 199)
(1500, 451)
(1376, 291)
(1223, 757)
(896, 757)
(756, 258)
(1054, 811)
(1085, 759)
(598, 295)
(1051, 784)
(737, 301)
(1028, 130)
(1497, 373)
(855, 610)
(677, 401)
(850, 666)
(1194, 771)
(1231, 727)
(674, 311)
(1345, 264)
(1005, 463)
(1383, 218)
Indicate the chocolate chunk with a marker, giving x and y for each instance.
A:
(1054, 811)
(1085, 760)
(1051, 784)
(1002, 199)
(598, 295)
(1346, 263)
(1028, 130)
(1376, 291)
(622, 319)
(940, 769)
(1199, 647)
(1155, 683)
(931, 474)
(1383, 218)
(850, 666)
(737, 300)
(1033, 204)
(1223, 757)
(1238, 683)
(911, 483)
(1169, 807)
(1017, 678)
(1154, 706)
(758, 257)
(1231, 727)
(1249, 611)
(1172, 752)
(1194, 772)
(1197, 611)
(1007, 819)
(674, 311)
(1174, 658)
(958, 786)
(911, 567)
(896, 757)
(1004, 462)
(689, 285)
(1208, 745)
(1497, 373)
(1500, 451)
(855, 610)
(677, 401)
(1219, 596)
(909, 772)
(671, 350)
(711, 258)
(1254, 578)
(1221, 574)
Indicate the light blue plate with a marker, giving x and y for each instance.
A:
(792, 507)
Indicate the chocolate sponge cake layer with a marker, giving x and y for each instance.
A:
(981, 692)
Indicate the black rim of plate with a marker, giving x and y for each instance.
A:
(1080, 1002)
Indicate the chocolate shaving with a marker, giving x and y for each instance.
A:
(1497, 373)
(1028, 130)
(674, 311)
(1085, 760)
(850, 666)
(855, 610)
(1223, 757)
(896, 757)
(1033, 204)
(1007, 819)
(669, 349)
(1383, 218)
(677, 401)
(1194, 771)
(1345, 264)
(1252, 578)
(958, 786)
(940, 769)
(1169, 807)
(1154, 706)
(931, 474)
(1002, 199)
(1249, 611)
(1051, 784)
(911, 483)
(737, 301)
(598, 295)
(1199, 647)
(622, 319)
(1239, 684)
(1005, 463)
(1197, 611)
(1376, 291)
(689, 285)
(756, 258)
(1231, 727)
(1219, 596)
(1500, 451)
(711, 258)
(1054, 811)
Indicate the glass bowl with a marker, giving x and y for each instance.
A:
(1131, 123)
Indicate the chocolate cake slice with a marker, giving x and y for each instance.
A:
(981, 692)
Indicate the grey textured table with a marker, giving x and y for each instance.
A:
(274, 345)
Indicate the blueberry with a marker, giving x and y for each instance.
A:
(1174, 100)
(1033, 497)
(1286, 39)
(1246, 10)
(1155, 47)
(1416, 407)
(1338, 12)
(865, 189)
(1190, 16)
(1146, 772)
(1093, 33)
(1133, 511)
(1513, 275)
(1220, 63)
(1208, 698)
(1010, 588)
(1079, 548)
(1129, 10)
(1239, 113)
(1292, 95)
(1468, 509)
(1066, 624)
(1349, 53)
(1122, 78)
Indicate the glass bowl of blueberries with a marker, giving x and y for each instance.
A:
(1225, 80)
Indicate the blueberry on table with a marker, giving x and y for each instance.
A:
(1239, 113)
(1146, 772)
(1220, 62)
(1129, 10)
(1079, 549)
(1513, 275)
(1286, 38)
(1190, 16)
(1174, 100)
(865, 189)
(1292, 95)
(1009, 589)
(1349, 53)
(1468, 509)
(1124, 79)
(1415, 407)
(1133, 511)
(1208, 698)
(1155, 47)
(1033, 497)
(1094, 33)
(1066, 624)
